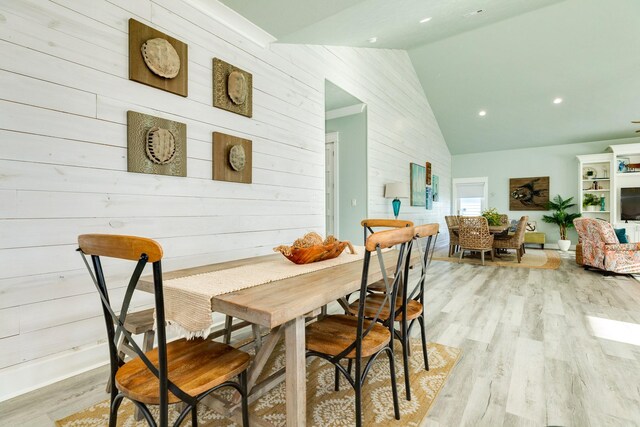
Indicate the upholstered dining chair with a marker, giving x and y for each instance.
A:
(409, 303)
(515, 240)
(361, 339)
(475, 236)
(454, 240)
(180, 371)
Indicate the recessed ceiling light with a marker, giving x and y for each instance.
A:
(557, 101)
(373, 39)
(482, 113)
(422, 21)
(475, 12)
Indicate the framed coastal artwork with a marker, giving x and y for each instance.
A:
(436, 188)
(418, 175)
(529, 194)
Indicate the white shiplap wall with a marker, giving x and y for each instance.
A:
(64, 93)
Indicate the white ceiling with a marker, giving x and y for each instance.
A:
(511, 60)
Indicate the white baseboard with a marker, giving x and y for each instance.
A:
(26, 377)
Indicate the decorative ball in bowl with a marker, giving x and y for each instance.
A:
(311, 248)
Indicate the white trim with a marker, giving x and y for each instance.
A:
(454, 191)
(334, 138)
(23, 378)
(233, 20)
(345, 111)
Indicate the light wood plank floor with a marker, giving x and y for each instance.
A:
(530, 356)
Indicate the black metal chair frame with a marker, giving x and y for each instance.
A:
(417, 294)
(161, 372)
(359, 376)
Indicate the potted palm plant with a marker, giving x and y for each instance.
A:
(562, 218)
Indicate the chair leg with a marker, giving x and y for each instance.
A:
(358, 391)
(424, 342)
(492, 255)
(245, 399)
(194, 416)
(394, 386)
(518, 255)
(482, 256)
(405, 358)
(337, 380)
(461, 253)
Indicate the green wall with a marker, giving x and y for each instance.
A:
(558, 162)
(352, 169)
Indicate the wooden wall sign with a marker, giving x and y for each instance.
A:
(529, 194)
(428, 167)
(155, 145)
(156, 59)
(232, 88)
(231, 158)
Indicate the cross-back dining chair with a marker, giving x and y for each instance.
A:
(371, 225)
(475, 236)
(356, 338)
(178, 371)
(409, 305)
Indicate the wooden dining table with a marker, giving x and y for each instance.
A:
(282, 306)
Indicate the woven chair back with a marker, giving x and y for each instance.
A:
(474, 232)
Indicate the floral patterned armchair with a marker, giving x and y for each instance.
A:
(601, 249)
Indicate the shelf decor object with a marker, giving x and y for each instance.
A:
(231, 158)
(157, 60)
(156, 146)
(529, 194)
(396, 191)
(232, 88)
(418, 180)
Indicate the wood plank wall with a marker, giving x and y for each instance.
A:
(64, 93)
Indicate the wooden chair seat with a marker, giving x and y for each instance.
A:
(414, 308)
(333, 334)
(195, 366)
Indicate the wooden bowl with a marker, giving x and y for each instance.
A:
(316, 253)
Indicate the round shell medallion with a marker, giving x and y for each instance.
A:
(237, 87)
(161, 57)
(161, 145)
(237, 158)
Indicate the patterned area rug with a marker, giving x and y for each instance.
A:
(325, 407)
(534, 258)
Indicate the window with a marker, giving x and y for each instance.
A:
(470, 195)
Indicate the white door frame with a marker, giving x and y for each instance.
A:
(334, 138)
(455, 209)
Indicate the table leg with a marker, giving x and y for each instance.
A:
(296, 381)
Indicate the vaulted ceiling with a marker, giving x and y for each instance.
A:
(510, 60)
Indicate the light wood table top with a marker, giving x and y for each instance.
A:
(277, 302)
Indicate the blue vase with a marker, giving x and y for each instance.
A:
(396, 207)
(602, 204)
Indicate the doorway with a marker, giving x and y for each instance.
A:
(345, 163)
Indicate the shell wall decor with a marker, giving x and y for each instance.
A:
(231, 158)
(155, 145)
(156, 59)
(232, 88)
